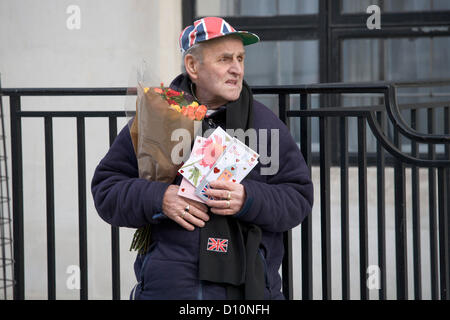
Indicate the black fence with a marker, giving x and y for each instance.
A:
(386, 123)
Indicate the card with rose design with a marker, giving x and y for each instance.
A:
(204, 154)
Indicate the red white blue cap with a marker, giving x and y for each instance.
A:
(210, 28)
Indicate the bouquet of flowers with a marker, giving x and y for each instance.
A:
(159, 112)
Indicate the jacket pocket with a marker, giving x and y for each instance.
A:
(167, 280)
(144, 264)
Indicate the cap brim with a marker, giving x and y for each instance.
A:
(247, 37)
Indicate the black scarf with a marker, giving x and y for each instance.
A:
(236, 262)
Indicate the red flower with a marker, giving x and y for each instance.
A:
(172, 93)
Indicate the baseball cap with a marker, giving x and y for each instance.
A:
(210, 28)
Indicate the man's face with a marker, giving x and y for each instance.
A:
(220, 74)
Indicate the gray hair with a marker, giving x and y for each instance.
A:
(196, 50)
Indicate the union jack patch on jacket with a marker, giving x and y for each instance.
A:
(217, 245)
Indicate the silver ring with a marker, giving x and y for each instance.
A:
(186, 209)
(183, 214)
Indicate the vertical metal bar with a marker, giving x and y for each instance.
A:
(381, 204)
(283, 106)
(115, 244)
(444, 218)
(415, 185)
(287, 272)
(381, 210)
(446, 196)
(400, 226)
(82, 220)
(434, 271)
(50, 202)
(305, 145)
(362, 194)
(325, 208)
(345, 222)
(17, 197)
(444, 248)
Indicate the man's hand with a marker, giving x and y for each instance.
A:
(229, 197)
(174, 208)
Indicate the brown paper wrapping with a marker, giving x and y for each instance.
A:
(151, 132)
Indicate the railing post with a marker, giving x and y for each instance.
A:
(287, 272)
(400, 226)
(444, 224)
(446, 196)
(381, 210)
(325, 207)
(17, 195)
(82, 219)
(345, 221)
(306, 228)
(50, 203)
(362, 195)
(434, 271)
(445, 214)
(115, 244)
(415, 195)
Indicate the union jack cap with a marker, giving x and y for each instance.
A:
(209, 28)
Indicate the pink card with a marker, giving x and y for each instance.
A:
(187, 190)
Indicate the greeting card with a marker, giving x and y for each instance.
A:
(204, 154)
(233, 165)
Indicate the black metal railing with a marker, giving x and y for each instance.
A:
(388, 153)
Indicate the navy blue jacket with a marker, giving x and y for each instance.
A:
(276, 203)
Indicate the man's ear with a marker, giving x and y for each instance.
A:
(191, 66)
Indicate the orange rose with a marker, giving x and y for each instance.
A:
(200, 112)
(191, 113)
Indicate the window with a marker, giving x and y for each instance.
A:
(283, 65)
(358, 6)
(238, 8)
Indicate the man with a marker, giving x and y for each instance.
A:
(247, 218)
